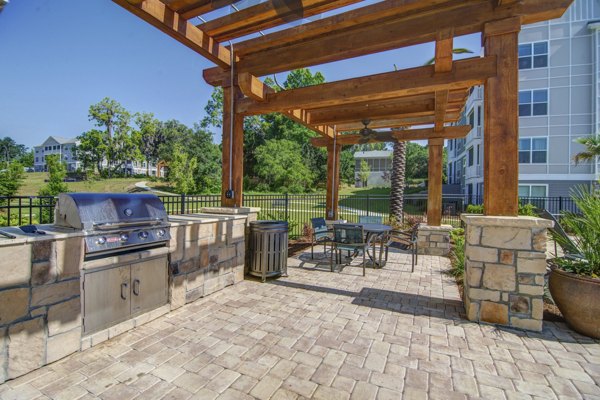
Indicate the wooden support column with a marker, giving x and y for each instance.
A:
(434, 188)
(233, 151)
(501, 120)
(333, 180)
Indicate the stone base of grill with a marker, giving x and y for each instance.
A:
(41, 290)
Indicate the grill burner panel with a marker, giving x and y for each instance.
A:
(114, 222)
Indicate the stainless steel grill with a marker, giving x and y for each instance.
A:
(114, 222)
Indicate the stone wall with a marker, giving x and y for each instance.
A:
(434, 240)
(40, 285)
(505, 263)
(40, 305)
(207, 253)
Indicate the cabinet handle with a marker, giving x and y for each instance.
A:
(136, 287)
(124, 290)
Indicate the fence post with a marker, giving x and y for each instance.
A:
(560, 205)
(182, 210)
(287, 203)
(368, 205)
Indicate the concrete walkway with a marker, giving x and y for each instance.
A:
(316, 334)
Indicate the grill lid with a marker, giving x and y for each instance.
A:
(104, 211)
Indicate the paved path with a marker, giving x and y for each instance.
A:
(144, 186)
(316, 334)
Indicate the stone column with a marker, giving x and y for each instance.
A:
(434, 240)
(505, 263)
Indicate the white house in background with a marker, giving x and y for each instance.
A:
(559, 101)
(66, 149)
(380, 164)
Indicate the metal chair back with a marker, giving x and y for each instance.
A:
(348, 234)
(318, 224)
(370, 219)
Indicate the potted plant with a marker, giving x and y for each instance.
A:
(575, 278)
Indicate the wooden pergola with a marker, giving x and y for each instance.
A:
(424, 96)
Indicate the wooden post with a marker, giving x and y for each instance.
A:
(501, 120)
(233, 151)
(434, 188)
(333, 180)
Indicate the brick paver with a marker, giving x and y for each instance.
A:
(392, 334)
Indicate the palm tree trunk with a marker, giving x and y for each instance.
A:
(398, 181)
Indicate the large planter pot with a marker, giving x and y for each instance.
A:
(578, 299)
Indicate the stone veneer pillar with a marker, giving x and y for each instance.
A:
(434, 240)
(505, 263)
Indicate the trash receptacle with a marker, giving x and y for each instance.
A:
(268, 248)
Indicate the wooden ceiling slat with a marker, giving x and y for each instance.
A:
(451, 132)
(414, 81)
(267, 15)
(342, 42)
(193, 8)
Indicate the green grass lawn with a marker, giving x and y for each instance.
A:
(35, 180)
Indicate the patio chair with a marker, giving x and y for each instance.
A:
(404, 240)
(320, 234)
(348, 237)
(370, 219)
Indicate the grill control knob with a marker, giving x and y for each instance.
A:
(101, 240)
(124, 237)
(143, 235)
(160, 232)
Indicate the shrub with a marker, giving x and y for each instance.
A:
(586, 229)
(524, 209)
(457, 254)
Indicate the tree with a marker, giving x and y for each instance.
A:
(92, 149)
(181, 171)
(592, 149)
(114, 139)
(11, 179)
(417, 159)
(347, 166)
(150, 138)
(57, 172)
(26, 159)
(364, 173)
(280, 166)
(208, 157)
(10, 150)
(398, 180)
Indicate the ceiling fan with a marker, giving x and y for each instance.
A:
(366, 132)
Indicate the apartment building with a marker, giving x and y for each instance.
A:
(63, 147)
(66, 149)
(559, 93)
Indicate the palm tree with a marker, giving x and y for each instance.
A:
(592, 144)
(398, 181)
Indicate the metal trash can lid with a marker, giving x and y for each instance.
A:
(268, 225)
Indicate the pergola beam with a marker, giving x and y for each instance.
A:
(450, 132)
(354, 33)
(420, 80)
(253, 88)
(267, 15)
(157, 14)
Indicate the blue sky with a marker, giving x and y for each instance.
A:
(57, 57)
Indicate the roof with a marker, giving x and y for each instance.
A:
(59, 140)
(373, 154)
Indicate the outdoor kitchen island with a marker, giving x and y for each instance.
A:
(43, 294)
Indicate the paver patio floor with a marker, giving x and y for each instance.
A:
(390, 335)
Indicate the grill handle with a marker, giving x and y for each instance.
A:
(107, 226)
(136, 287)
(124, 290)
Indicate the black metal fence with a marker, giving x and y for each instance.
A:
(297, 209)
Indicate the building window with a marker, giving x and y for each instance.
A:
(36, 159)
(478, 154)
(472, 118)
(533, 190)
(533, 102)
(533, 55)
(533, 150)
(479, 112)
(470, 157)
